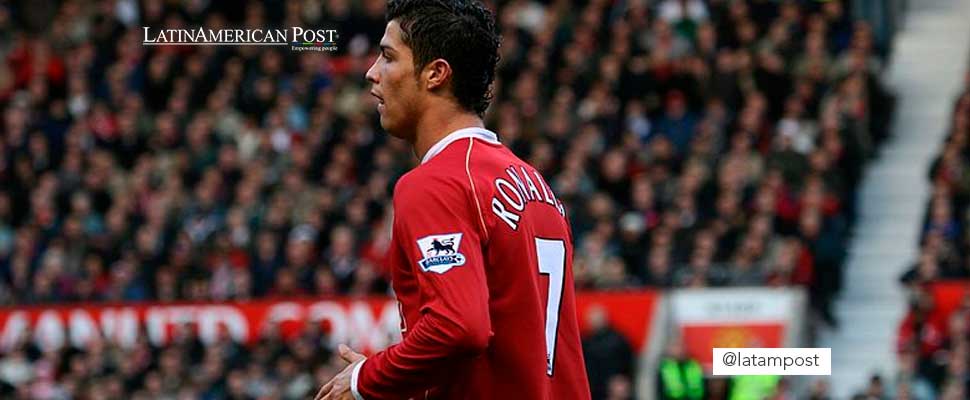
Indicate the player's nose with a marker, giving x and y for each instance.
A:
(371, 75)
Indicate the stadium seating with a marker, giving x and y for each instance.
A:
(933, 337)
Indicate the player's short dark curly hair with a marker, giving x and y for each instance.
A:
(462, 32)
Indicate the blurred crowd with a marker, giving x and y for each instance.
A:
(944, 240)
(184, 369)
(694, 143)
(705, 144)
(933, 346)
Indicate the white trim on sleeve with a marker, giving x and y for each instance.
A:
(353, 380)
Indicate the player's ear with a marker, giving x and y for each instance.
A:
(437, 74)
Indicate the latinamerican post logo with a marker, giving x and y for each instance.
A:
(298, 38)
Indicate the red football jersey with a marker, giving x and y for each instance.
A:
(481, 262)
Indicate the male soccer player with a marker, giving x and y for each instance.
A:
(481, 259)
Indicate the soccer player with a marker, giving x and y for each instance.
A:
(481, 259)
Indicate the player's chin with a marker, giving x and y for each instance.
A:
(389, 126)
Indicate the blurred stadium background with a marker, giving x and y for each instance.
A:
(208, 222)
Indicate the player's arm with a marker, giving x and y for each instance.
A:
(437, 228)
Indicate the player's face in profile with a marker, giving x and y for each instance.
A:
(395, 84)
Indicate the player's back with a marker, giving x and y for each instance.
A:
(535, 352)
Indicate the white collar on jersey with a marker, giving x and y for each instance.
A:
(473, 132)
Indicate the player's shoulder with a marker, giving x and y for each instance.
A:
(452, 167)
(430, 180)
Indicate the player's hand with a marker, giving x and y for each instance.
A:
(339, 387)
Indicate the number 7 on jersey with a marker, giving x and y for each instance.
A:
(551, 254)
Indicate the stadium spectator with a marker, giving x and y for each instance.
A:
(819, 390)
(755, 386)
(876, 389)
(679, 376)
(607, 353)
(620, 388)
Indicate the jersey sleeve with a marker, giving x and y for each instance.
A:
(436, 228)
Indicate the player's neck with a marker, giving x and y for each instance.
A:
(435, 127)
